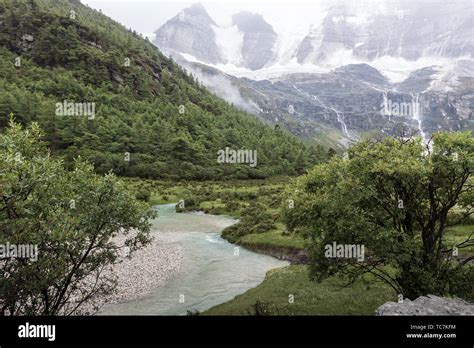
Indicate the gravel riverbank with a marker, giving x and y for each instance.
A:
(147, 269)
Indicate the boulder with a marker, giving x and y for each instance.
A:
(427, 305)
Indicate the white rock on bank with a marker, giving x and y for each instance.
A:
(427, 305)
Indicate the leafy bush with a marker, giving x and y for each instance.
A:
(71, 217)
(254, 219)
(397, 197)
(143, 195)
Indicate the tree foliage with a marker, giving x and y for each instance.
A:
(397, 197)
(72, 217)
(146, 105)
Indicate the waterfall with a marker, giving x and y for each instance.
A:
(417, 113)
(339, 115)
(340, 119)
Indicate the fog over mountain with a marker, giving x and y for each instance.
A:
(415, 33)
(331, 79)
(325, 70)
(249, 42)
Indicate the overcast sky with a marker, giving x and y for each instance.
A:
(145, 16)
(142, 16)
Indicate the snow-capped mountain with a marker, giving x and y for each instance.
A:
(248, 43)
(406, 30)
(258, 39)
(338, 70)
(412, 34)
(190, 32)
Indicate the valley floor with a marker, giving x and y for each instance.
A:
(288, 290)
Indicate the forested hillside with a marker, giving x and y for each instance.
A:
(151, 118)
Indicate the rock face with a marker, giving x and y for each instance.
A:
(366, 69)
(193, 32)
(427, 305)
(190, 32)
(363, 30)
(352, 99)
(259, 39)
(406, 30)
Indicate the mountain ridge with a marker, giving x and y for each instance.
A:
(152, 119)
(347, 35)
(355, 62)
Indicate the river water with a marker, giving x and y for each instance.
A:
(214, 271)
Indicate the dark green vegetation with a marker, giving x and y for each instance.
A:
(401, 200)
(325, 297)
(70, 216)
(145, 105)
(343, 201)
(256, 207)
(256, 203)
(329, 297)
(172, 128)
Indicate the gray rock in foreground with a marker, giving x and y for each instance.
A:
(427, 305)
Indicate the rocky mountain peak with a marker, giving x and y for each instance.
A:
(251, 22)
(190, 32)
(259, 39)
(197, 10)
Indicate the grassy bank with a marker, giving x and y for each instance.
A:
(326, 298)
